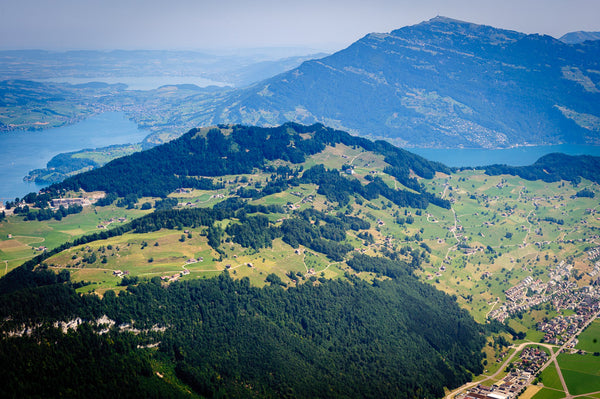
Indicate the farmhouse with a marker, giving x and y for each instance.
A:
(66, 202)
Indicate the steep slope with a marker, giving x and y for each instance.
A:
(441, 83)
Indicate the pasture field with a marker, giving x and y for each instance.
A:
(550, 378)
(546, 393)
(581, 372)
(589, 339)
(27, 237)
(167, 253)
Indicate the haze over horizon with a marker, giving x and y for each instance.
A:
(194, 25)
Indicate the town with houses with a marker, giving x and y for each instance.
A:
(561, 293)
(521, 375)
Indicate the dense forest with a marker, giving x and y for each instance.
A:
(233, 150)
(392, 338)
(553, 167)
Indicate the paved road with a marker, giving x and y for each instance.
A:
(553, 358)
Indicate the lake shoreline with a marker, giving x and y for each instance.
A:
(22, 152)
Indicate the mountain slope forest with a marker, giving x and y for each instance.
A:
(375, 330)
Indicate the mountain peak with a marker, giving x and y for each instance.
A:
(579, 37)
(447, 20)
(441, 29)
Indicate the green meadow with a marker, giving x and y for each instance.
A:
(546, 393)
(589, 339)
(581, 372)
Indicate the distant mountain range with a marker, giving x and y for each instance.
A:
(441, 83)
(237, 69)
(579, 37)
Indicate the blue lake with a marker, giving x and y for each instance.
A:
(22, 151)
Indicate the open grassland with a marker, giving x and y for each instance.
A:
(550, 378)
(581, 372)
(28, 239)
(162, 253)
(168, 253)
(546, 393)
(589, 339)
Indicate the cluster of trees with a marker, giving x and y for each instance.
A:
(311, 228)
(47, 213)
(297, 231)
(224, 337)
(253, 232)
(553, 220)
(339, 189)
(585, 193)
(553, 168)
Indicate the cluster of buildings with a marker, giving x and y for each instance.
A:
(106, 223)
(594, 254)
(585, 302)
(561, 271)
(516, 381)
(560, 291)
(522, 297)
(308, 199)
(508, 388)
(559, 329)
(518, 291)
(66, 202)
(175, 276)
(531, 360)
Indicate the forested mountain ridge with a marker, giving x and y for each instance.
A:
(554, 167)
(235, 149)
(442, 83)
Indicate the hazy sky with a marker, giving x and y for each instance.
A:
(213, 24)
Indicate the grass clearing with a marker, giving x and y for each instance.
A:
(546, 393)
(581, 372)
(589, 339)
(550, 377)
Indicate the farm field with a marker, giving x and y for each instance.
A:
(550, 378)
(589, 339)
(28, 239)
(546, 393)
(581, 372)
